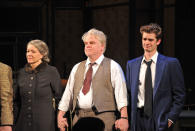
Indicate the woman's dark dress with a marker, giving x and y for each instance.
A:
(34, 93)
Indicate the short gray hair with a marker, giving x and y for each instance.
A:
(42, 47)
(98, 34)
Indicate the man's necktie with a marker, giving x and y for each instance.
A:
(88, 78)
(148, 90)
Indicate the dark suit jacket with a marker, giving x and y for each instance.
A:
(168, 92)
(6, 95)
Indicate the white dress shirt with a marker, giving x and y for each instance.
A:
(86, 101)
(141, 90)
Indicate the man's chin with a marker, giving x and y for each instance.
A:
(147, 50)
(88, 54)
(31, 62)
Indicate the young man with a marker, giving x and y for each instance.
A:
(156, 85)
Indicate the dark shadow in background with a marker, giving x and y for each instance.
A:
(184, 46)
(89, 124)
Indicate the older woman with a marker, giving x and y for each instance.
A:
(38, 86)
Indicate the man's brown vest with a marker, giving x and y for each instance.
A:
(103, 92)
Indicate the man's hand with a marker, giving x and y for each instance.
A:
(62, 122)
(122, 124)
(169, 123)
(5, 128)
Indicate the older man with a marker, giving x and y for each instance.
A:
(96, 87)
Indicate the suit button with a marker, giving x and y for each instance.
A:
(29, 92)
(30, 85)
(29, 108)
(29, 100)
(31, 78)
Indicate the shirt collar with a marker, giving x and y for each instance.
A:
(98, 61)
(153, 58)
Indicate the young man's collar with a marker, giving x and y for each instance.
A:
(153, 58)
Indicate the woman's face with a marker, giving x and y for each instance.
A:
(33, 55)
